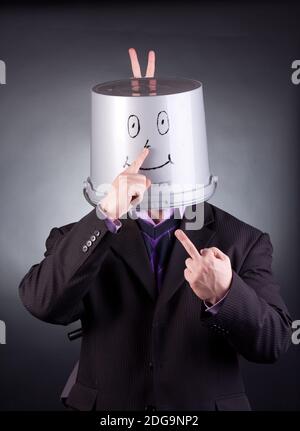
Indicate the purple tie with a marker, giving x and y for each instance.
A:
(159, 240)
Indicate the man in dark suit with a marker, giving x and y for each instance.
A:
(164, 320)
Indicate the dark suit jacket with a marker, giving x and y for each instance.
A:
(141, 350)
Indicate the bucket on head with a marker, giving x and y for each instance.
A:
(167, 116)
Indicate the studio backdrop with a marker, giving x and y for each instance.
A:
(51, 57)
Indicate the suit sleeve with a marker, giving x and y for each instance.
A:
(53, 290)
(253, 315)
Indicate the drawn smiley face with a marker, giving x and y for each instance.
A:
(163, 126)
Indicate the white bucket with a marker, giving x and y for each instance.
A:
(165, 114)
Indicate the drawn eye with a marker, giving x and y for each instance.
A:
(133, 126)
(162, 122)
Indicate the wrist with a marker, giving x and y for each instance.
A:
(215, 299)
(105, 209)
(210, 302)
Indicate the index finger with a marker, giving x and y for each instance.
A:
(187, 243)
(137, 163)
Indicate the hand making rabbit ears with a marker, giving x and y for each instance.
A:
(135, 65)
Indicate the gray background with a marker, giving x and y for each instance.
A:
(54, 55)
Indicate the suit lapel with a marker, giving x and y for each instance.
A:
(174, 276)
(129, 245)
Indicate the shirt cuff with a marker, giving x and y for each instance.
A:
(112, 225)
(213, 309)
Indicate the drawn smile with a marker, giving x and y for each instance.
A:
(154, 167)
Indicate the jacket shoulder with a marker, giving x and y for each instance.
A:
(231, 227)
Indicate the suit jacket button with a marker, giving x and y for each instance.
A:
(97, 233)
(84, 248)
(89, 243)
(93, 238)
